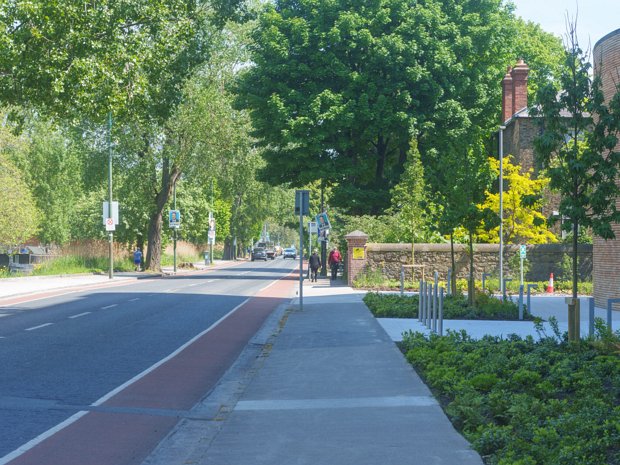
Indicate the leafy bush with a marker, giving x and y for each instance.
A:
(486, 307)
(521, 401)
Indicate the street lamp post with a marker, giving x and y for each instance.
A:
(110, 203)
(501, 207)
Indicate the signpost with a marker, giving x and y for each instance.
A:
(522, 255)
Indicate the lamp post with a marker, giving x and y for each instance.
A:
(501, 207)
(110, 203)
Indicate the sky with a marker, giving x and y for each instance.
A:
(595, 19)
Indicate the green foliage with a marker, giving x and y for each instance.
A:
(578, 152)
(456, 307)
(524, 401)
(73, 264)
(20, 218)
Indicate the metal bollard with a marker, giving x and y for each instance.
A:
(521, 302)
(610, 302)
(441, 312)
(449, 281)
(428, 305)
(591, 317)
(484, 280)
(529, 305)
(435, 303)
(402, 281)
(420, 300)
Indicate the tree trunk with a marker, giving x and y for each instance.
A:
(169, 176)
(575, 245)
(453, 282)
(470, 285)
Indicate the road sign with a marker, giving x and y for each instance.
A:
(106, 214)
(302, 200)
(523, 251)
(109, 224)
(312, 227)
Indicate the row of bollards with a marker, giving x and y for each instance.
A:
(430, 305)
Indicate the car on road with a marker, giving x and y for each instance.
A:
(259, 253)
(289, 253)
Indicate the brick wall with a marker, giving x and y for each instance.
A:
(544, 259)
(606, 270)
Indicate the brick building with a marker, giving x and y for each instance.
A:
(606, 260)
(522, 129)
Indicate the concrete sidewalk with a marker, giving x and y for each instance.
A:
(325, 385)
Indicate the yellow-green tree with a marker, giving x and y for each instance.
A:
(522, 201)
(20, 218)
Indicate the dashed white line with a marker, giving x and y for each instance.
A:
(39, 327)
(109, 306)
(79, 315)
(133, 300)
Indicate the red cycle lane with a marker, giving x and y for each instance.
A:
(125, 426)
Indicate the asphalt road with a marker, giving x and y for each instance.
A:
(67, 356)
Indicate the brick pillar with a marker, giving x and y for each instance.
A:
(519, 86)
(507, 108)
(356, 254)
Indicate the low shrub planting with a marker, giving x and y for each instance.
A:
(486, 307)
(526, 401)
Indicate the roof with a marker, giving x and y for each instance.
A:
(525, 113)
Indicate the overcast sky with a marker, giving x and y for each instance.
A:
(596, 18)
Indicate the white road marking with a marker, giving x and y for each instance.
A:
(171, 291)
(133, 300)
(109, 306)
(50, 432)
(39, 327)
(79, 315)
(3, 314)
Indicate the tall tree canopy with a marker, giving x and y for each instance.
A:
(338, 88)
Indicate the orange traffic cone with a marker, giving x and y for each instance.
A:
(550, 286)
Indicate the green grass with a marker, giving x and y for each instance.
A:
(527, 402)
(168, 260)
(485, 307)
(73, 264)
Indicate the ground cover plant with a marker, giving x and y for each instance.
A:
(526, 401)
(486, 307)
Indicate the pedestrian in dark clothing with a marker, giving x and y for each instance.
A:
(315, 264)
(334, 261)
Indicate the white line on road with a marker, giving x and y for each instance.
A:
(109, 306)
(43, 436)
(133, 300)
(39, 327)
(79, 315)
(171, 291)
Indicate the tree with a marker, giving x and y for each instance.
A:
(20, 218)
(522, 202)
(577, 151)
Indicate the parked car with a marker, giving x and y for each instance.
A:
(290, 253)
(259, 253)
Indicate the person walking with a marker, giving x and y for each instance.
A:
(334, 261)
(137, 259)
(315, 264)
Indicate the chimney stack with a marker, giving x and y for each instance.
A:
(514, 90)
(519, 86)
(507, 108)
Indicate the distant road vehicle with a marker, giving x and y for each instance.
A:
(290, 253)
(259, 253)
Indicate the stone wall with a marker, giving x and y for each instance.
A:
(544, 259)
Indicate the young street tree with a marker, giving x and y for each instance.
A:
(576, 147)
(522, 201)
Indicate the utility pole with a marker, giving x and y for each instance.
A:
(174, 201)
(111, 245)
(211, 241)
(501, 210)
